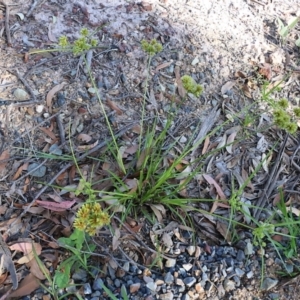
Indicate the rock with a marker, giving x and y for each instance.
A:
(221, 291)
(189, 281)
(187, 267)
(97, 285)
(134, 287)
(80, 275)
(169, 278)
(249, 249)
(54, 149)
(87, 290)
(268, 283)
(183, 140)
(228, 285)
(239, 272)
(39, 172)
(166, 296)
(39, 108)
(240, 255)
(190, 249)
(249, 274)
(170, 263)
(151, 286)
(21, 95)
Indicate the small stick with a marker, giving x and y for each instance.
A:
(33, 6)
(7, 31)
(25, 83)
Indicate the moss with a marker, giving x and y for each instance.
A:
(151, 47)
(191, 86)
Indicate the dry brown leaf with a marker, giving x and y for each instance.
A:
(211, 181)
(142, 157)
(51, 94)
(27, 249)
(247, 91)
(87, 147)
(114, 106)
(162, 66)
(35, 269)
(157, 213)
(266, 71)
(115, 240)
(4, 155)
(84, 137)
(20, 170)
(205, 146)
(227, 86)
(29, 284)
(223, 229)
(181, 89)
(62, 206)
(167, 240)
(230, 141)
(49, 133)
(132, 149)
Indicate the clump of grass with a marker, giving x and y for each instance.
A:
(284, 117)
(152, 47)
(191, 86)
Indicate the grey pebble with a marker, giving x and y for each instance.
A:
(152, 286)
(169, 278)
(54, 149)
(240, 255)
(229, 285)
(87, 290)
(97, 285)
(39, 172)
(117, 283)
(239, 272)
(61, 99)
(189, 281)
(166, 296)
(249, 249)
(249, 274)
(268, 283)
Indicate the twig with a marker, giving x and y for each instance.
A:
(25, 83)
(7, 31)
(269, 186)
(61, 129)
(65, 168)
(33, 6)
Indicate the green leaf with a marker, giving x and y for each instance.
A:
(293, 23)
(124, 292)
(298, 43)
(62, 276)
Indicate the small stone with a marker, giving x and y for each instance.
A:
(239, 272)
(98, 284)
(134, 287)
(54, 149)
(117, 283)
(61, 99)
(92, 91)
(71, 288)
(221, 291)
(229, 285)
(87, 290)
(148, 279)
(186, 297)
(20, 94)
(170, 263)
(159, 282)
(169, 278)
(268, 283)
(190, 249)
(151, 286)
(39, 172)
(195, 61)
(126, 266)
(179, 281)
(289, 268)
(46, 115)
(274, 296)
(183, 140)
(187, 267)
(249, 249)
(240, 255)
(241, 244)
(189, 281)
(80, 275)
(199, 288)
(166, 296)
(39, 108)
